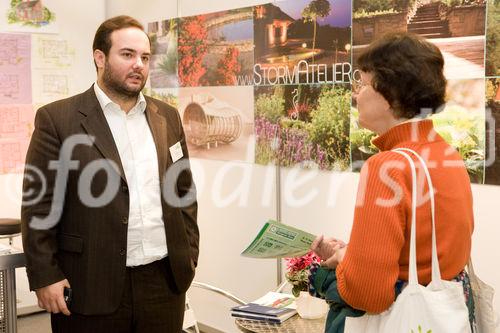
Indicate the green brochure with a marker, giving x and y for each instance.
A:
(278, 240)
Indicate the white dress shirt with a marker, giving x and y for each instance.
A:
(146, 240)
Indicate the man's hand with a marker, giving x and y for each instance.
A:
(325, 248)
(51, 297)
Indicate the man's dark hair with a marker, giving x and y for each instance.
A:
(102, 38)
(408, 71)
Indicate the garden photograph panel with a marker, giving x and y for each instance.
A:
(461, 123)
(303, 125)
(492, 170)
(216, 49)
(164, 57)
(294, 57)
(492, 36)
(456, 27)
(218, 122)
(167, 95)
(302, 42)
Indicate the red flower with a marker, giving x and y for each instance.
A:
(228, 67)
(300, 263)
(192, 47)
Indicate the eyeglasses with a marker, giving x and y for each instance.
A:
(357, 85)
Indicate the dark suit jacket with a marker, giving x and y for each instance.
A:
(88, 245)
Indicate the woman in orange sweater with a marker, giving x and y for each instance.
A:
(401, 82)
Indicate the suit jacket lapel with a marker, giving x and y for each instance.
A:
(95, 124)
(158, 125)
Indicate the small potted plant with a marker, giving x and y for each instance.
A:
(298, 271)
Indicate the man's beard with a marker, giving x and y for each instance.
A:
(120, 88)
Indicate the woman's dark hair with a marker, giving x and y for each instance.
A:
(408, 71)
(102, 38)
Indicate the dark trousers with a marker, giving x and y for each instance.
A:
(149, 305)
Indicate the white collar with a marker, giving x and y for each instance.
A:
(104, 100)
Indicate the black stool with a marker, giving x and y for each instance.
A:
(9, 228)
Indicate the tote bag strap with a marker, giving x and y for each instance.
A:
(470, 268)
(436, 272)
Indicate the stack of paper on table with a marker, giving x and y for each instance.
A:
(272, 307)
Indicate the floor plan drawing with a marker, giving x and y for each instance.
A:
(16, 127)
(15, 69)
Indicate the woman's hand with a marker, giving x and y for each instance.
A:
(336, 258)
(325, 248)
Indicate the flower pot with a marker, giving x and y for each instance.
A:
(310, 307)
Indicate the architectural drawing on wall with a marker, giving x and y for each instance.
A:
(8, 52)
(51, 52)
(51, 84)
(52, 68)
(28, 16)
(55, 84)
(15, 65)
(16, 126)
(10, 149)
(9, 86)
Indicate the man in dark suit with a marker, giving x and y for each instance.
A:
(111, 210)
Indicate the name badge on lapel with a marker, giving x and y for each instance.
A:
(176, 152)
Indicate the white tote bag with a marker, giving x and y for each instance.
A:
(436, 308)
(486, 318)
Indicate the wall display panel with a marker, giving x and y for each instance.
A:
(16, 111)
(16, 126)
(457, 28)
(302, 41)
(461, 123)
(360, 140)
(492, 34)
(167, 95)
(39, 64)
(15, 66)
(28, 16)
(492, 171)
(216, 49)
(303, 125)
(218, 122)
(67, 36)
(52, 68)
(164, 55)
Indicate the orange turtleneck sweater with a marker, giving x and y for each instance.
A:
(378, 251)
